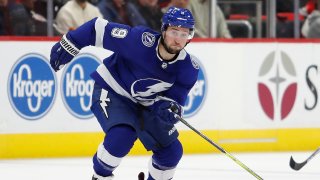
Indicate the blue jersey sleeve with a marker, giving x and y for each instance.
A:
(122, 39)
(185, 80)
(119, 38)
(85, 35)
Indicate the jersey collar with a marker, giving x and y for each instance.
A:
(182, 54)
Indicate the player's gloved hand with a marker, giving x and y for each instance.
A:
(62, 53)
(168, 110)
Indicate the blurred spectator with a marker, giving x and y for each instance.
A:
(121, 11)
(201, 12)
(311, 26)
(308, 7)
(163, 3)
(73, 14)
(151, 12)
(41, 6)
(5, 22)
(94, 2)
(25, 21)
(177, 3)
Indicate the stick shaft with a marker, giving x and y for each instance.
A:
(313, 154)
(220, 148)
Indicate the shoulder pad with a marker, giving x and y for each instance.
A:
(194, 61)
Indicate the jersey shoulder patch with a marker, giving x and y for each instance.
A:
(194, 61)
(148, 39)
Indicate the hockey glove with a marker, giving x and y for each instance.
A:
(168, 110)
(62, 53)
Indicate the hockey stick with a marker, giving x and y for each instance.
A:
(219, 148)
(297, 166)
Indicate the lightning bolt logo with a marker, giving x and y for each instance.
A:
(103, 101)
(158, 86)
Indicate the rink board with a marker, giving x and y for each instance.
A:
(85, 144)
(250, 96)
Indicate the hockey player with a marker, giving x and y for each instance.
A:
(136, 88)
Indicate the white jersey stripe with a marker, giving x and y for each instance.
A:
(100, 29)
(107, 77)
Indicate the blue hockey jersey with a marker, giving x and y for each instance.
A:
(135, 70)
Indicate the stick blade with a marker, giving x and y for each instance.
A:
(296, 166)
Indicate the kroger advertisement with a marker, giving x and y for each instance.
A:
(240, 86)
(39, 100)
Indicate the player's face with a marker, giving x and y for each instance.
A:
(175, 39)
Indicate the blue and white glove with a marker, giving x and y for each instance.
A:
(168, 110)
(62, 53)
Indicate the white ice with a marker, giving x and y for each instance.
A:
(217, 166)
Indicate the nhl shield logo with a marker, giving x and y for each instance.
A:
(148, 39)
(164, 65)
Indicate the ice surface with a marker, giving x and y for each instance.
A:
(273, 166)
